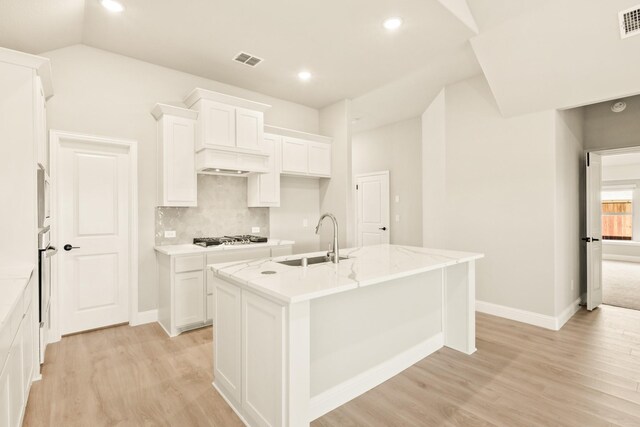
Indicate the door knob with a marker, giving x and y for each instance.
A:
(383, 228)
(68, 247)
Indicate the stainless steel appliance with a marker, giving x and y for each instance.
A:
(45, 252)
(43, 199)
(242, 239)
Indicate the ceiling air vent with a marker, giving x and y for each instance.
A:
(630, 22)
(247, 59)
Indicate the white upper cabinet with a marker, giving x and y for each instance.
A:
(304, 154)
(249, 129)
(295, 156)
(177, 179)
(227, 122)
(217, 125)
(264, 189)
(319, 159)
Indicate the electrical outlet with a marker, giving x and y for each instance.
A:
(397, 199)
(397, 218)
(305, 222)
(255, 229)
(169, 234)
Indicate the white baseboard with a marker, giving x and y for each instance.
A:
(354, 387)
(144, 317)
(614, 257)
(233, 407)
(529, 317)
(567, 314)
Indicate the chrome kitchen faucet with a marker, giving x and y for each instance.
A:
(336, 250)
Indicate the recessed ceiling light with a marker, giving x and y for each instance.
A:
(304, 75)
(392, 23)
(112, 5)
(619, 107)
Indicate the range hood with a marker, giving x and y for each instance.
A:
(230, 162)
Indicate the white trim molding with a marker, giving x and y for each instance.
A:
(529, 317)
(354, 387)
(144, 317)
(56, 139)
(615, 257)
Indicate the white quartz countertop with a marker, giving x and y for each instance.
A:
(365, 266)
(13, 280)
(189, 248)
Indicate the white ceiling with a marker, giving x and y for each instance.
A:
(536, 54)
(561, 54)
(37, 26)
(341, 42)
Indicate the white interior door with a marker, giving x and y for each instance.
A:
(594, 230)
(94, 202)
(372, 221)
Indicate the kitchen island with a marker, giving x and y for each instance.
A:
(292, 343)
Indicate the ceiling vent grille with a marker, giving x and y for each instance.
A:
(630, 22)
(247, 59)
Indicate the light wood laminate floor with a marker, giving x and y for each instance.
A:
(587, 374)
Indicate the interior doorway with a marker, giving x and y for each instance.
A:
(372, 208)
(620, 227)
(95, 226)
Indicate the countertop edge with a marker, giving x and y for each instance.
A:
(186, 248)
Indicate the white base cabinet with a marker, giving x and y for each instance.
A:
(187, 299)
(16, 375)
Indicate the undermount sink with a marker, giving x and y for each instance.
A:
(313, 260)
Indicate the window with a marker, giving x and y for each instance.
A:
(617, 214)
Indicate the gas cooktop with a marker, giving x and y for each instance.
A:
(243, 239)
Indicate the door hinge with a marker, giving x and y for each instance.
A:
(357, 187)
(588, 159)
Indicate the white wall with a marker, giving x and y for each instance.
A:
(335, 193)
(397, 148)
(433, 170)
(498, 180)
(299, 202)
(103, 93)
(570, 218)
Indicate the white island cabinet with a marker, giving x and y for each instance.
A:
(186, 297)
(293, 343)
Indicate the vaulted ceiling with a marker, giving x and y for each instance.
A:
(536, 54)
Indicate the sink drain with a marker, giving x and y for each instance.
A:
(269, 272)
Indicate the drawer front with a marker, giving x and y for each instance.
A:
(16, 318)
(238, 255)
(189, 263)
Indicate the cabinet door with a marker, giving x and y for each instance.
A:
(4, 399)
(15, 379)
(264, 189)
(262, 360)
(210, 308)
(249, 129)
(189, 298)
(294, 156)
(217, 125)
(319, 159)
(41, 125)
(227, 341)
(27, 351)
(180, 179)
